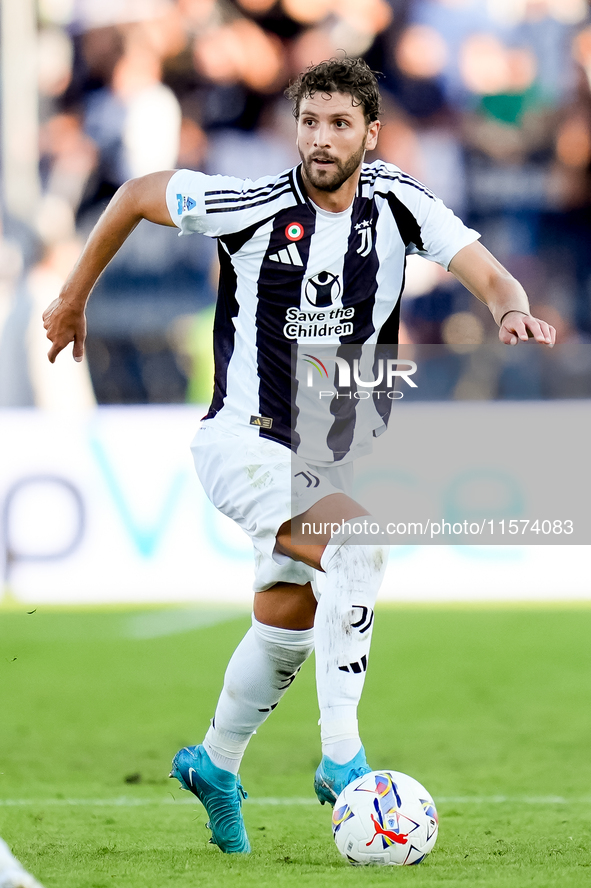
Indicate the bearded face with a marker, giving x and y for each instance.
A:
(332, 137)
(327, 172)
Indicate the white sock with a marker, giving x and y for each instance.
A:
(12, 872)
(341, 751)
(260, 671)
(343, 629)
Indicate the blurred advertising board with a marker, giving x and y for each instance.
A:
(105, 507)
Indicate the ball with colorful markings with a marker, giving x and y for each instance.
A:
(385, 818)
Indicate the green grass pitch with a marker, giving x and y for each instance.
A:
(488, 707)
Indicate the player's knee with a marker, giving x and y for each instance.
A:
(355, 556)
(355, 568)
(286, 606)
(288, 647)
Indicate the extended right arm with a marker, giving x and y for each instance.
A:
(143, 198)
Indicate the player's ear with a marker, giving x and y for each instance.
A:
(372, 135)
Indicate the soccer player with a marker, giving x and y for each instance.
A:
(312, 257)
(12, 872)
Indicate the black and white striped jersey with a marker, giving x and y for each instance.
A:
(295, 278)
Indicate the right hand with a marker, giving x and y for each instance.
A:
(518, 325)
(64, 324)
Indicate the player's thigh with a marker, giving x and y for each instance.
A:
(260, 484)
(324, 517)
(286, 606)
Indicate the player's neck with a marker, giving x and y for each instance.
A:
(333, 201)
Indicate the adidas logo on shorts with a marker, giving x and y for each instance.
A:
(264, 422)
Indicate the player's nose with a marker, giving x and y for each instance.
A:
(322, 136)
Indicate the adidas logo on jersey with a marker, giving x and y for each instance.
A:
(289, 255)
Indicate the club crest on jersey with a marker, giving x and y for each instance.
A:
(323, 289)
(365, 231)
(294, 231)
(184, 203)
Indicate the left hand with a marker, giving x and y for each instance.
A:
(517, 325)
(65, 323)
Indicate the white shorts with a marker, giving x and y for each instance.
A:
(249, 479)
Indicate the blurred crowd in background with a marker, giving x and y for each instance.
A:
(488, 102)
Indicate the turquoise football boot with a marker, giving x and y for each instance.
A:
(219, 791)
(331, 779)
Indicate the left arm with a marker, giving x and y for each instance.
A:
(485, 277)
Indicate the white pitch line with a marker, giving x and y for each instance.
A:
(159, 623)
(126, 802)
(508, 800)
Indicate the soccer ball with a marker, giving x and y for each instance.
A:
(384, 818)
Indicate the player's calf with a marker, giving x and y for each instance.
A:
(343, 630)
(262, 668)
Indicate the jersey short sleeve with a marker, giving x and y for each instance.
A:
(220, 205)
(443, 234)
(438, 234)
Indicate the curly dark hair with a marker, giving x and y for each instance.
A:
(346, 75)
